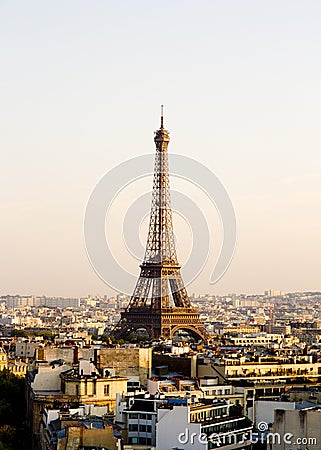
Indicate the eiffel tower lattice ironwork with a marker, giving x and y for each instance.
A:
(160, 303)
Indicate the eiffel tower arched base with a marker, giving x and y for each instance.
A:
(161, 323)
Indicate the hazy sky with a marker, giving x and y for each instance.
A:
(80, 87)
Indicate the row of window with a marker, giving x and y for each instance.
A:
(142, 428)
(208, 414)
(140, 440)
(140, 416)
(106, 389)
(218, 392)
(224, 427)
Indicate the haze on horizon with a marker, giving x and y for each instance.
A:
(81, 84)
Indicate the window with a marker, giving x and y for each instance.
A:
(149, 428)
(143, 416)
(133, 416)
(133, 427)
(133, 440)
(142, 428)
(106, 389)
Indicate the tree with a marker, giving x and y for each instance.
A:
(7, 434)
(46, 334)
(19, 333)
(11, 417)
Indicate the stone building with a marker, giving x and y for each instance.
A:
(55, 385)
(129, 362)
(82, 427)
(3, 359)
(15, 365)
(296, 429)
(126, 362)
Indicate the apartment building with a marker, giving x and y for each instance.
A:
(202, 425)
(56, 384)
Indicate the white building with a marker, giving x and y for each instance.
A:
(256, 339)
(138, 414)
(201, 426)
(264, 409)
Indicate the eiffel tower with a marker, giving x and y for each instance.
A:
(160, 303)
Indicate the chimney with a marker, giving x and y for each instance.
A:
(76, 356)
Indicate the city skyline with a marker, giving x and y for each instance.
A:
(81, 89)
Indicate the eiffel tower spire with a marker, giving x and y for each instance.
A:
(160, 243)
(160, 302)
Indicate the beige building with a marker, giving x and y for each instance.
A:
(68, 355)
(78, 437)
(15, 366)
(123, 362)
(18, 367)
(93, 388)
(256, 339)
(266, 370)
(53, 385)
(298, 429)
(243, 328)
(3, 359)
(126, 362)
(69, 429)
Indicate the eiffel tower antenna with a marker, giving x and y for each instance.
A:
(160, 302)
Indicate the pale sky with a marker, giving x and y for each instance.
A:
(80, 87)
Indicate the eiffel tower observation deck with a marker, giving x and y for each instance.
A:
(160, 303)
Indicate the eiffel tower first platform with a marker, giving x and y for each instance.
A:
(160, 303)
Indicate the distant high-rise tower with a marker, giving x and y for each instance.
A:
(160, 303)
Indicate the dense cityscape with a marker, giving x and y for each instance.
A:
(160, 277)
(261, 366)
(161, 369)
